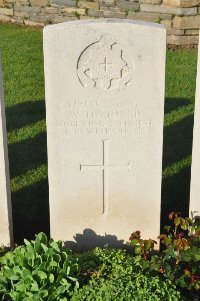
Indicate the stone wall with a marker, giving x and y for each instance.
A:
(180, 17)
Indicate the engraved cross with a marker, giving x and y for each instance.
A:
(105, 64)
(105, 168)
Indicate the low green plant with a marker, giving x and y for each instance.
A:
(38, 270)
(120, 277)
(180, 259)
(142, 247)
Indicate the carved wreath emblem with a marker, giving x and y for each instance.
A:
(105, 66)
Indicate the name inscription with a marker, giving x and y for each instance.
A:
(116, 118)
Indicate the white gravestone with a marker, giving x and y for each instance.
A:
(6, 237)
(195, 170)
(104, 84)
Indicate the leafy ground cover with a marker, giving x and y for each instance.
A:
(43, 269)
(25, 110)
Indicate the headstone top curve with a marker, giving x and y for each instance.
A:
(103, 21)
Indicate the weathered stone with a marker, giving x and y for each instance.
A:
(182, 3)
(18, 21)
(41, 3)
(107, 2)
(112, 9)
(127, 5)
(33, 24)
(151, 1)
(6, 11)
(88, 4)
(104, 84)
(4, 19)
(186, 22)
(49, 10)
(73, 11)
(95, 13)
(168, 10)
(61, 19)
(46, 19)
(27, 9)
(166, 23)
(9, 1)
(6, 229)
(113, 14)
(22, 2)
(182, 40)
(85, 18)
(1, 3)
(192, 32)
(195, 169)
(150, 17)
(176, 32)
(21, 14)
(71, 3)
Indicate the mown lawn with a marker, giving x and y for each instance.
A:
(25, 110)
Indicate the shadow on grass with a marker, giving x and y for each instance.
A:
(24, 114)
(175, 195)
(31, 204)
(30, 211)
(177, 143)
(172, 104)
(177, 146)
(27, 154)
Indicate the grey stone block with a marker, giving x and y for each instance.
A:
(42, 18)
(127, 5)
(95, 13)
(71, 3)
(27, 9)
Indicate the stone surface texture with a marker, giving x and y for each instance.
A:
(105, 128)
(180, 15)
(6, 237)
(182, 3)
(195, 169)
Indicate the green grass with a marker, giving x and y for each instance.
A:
(25, 111)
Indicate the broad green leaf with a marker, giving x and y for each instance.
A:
(134, 242)
(60, 290)
(147, 244)
(25, 273)
(55, 246)
(42, 275)
(43, 293)
(177, 221)
(21, 288)
(27, 242)
(17, 270)
(9, 273)
(34, 287)
(68, 270)
(53, 263)
(14, 278)
(42, 237)
(37, 246)
(51, 278)
(167, 241)
(197, 257)
(138, 250)
(44, 247)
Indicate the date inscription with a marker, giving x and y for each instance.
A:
(115, 119)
